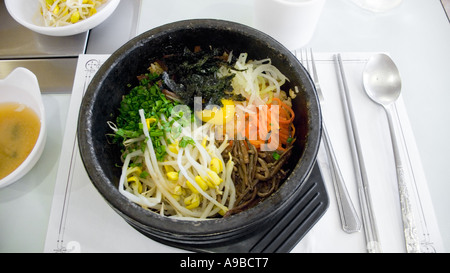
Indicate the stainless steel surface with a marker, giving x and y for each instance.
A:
(383, 85)
(54, 59)
(116, 30)
(368, 217)
(54, 75)
(347, 212)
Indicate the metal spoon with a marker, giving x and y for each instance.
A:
(382, 83)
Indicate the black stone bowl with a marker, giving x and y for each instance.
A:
(101, 101)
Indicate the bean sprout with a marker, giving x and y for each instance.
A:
(57, 13)
(196, 192)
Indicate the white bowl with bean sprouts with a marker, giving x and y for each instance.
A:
(60, 18)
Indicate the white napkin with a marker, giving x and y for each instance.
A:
(373, 129)
(81, 221)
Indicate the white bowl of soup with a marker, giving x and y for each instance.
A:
(22, 125)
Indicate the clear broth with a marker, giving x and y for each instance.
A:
(19, 130)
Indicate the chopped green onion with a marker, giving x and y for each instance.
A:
(276, 155)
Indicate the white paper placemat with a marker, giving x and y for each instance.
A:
(81, 221)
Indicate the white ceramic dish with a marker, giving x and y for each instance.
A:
(22, 86)
(26, 13)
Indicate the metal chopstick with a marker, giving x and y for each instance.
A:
(370, 229)
(349, 218)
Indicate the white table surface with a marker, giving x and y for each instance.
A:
(417, 36)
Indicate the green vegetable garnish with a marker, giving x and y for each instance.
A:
(147, 96)
(276, 155)
(185, 141)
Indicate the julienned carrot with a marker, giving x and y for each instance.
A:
(283, 129)
(285, 107)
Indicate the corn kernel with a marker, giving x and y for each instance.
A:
(75, 17)
(215, 178)
(173, 176)
(216, 165)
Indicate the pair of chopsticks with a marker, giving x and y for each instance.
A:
(368, 216)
